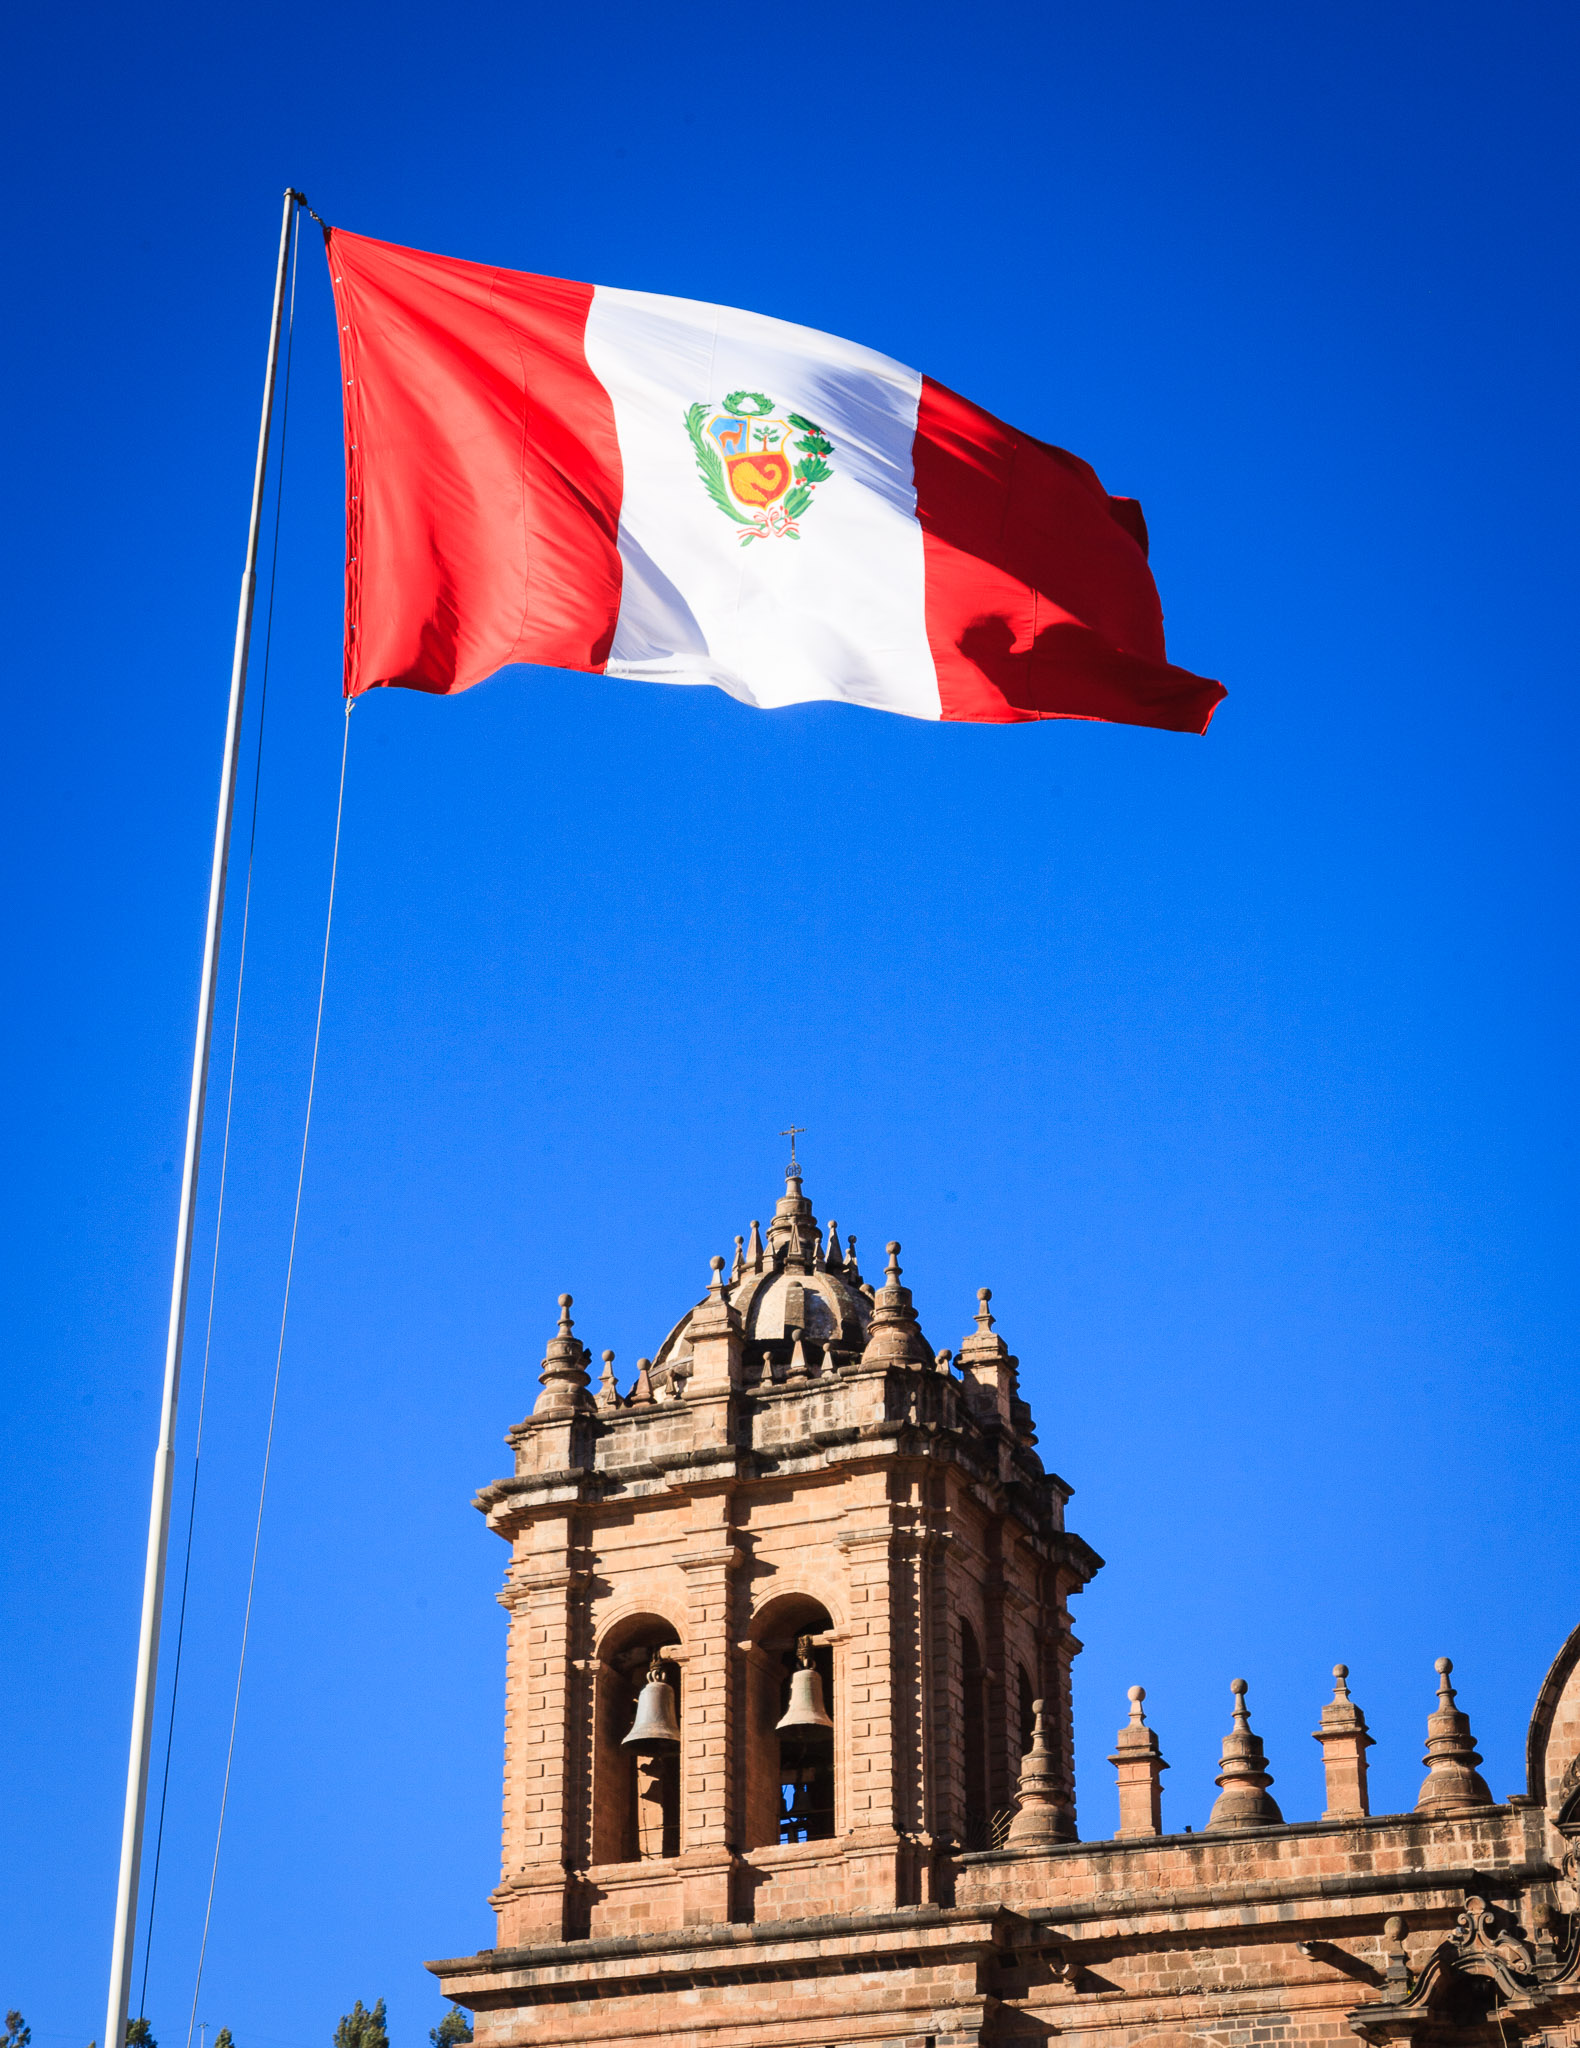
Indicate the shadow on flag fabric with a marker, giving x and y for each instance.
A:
(632, 485)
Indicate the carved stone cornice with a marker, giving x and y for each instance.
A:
(520, 1586)
(725, 1556)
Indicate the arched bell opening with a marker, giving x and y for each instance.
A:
(792, 1774)
(637, 1741)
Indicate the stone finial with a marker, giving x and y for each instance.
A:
(852, 1270)
(641, 1395)
(608, 1392)
(1244, 1801)
(564, 1371)
(893, 1336)
(1041, 1815)
(986, 1366)
(754, 1251)
(1140, 1766)
(793, 1235)
(1344, 1745)
(1396, 1977)
(714, 1335)
(1453, 1783)
(798, 1368)
(831, 1258)
(739, 1266)
(981, 1342)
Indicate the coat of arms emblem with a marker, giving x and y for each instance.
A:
(760, 467)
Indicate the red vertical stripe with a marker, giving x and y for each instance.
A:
(483, 475)
(1040, 603)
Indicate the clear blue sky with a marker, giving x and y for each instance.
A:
(1243, 1068)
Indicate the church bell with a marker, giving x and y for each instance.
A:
(655, 1731)
(805, 1717)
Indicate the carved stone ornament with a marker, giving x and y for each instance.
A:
(1567, 1804)
(1487, 1964)
(1490, 1943)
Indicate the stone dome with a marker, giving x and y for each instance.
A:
(793, 1282)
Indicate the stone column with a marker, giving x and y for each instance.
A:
(1344, 1745)
(877, 1720)
(1141, 1767)
(707, 1795)
(945, 1696)
(911, 1667)
(933, 1705)
(545, 1597)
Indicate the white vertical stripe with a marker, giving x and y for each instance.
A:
(838, 611)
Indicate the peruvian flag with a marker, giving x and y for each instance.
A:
(614, 481)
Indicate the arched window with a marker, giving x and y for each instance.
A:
(791, 1774)
(636, 1787)
(973, 1736)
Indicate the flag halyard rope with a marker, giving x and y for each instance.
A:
(279, 1359)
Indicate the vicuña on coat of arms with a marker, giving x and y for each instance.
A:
(761, 469)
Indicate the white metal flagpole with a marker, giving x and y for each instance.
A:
(164, 1457)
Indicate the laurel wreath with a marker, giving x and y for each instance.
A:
(711, 463)
(814, 444)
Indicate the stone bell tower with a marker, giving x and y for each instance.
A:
(796, 1483)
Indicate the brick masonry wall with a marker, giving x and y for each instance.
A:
(1185, 1942)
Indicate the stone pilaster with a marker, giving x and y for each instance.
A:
(876, 1719)
(545, 1596)
(708, 1801)
(911, 1668)
(945, 1698)
(933, 1718)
